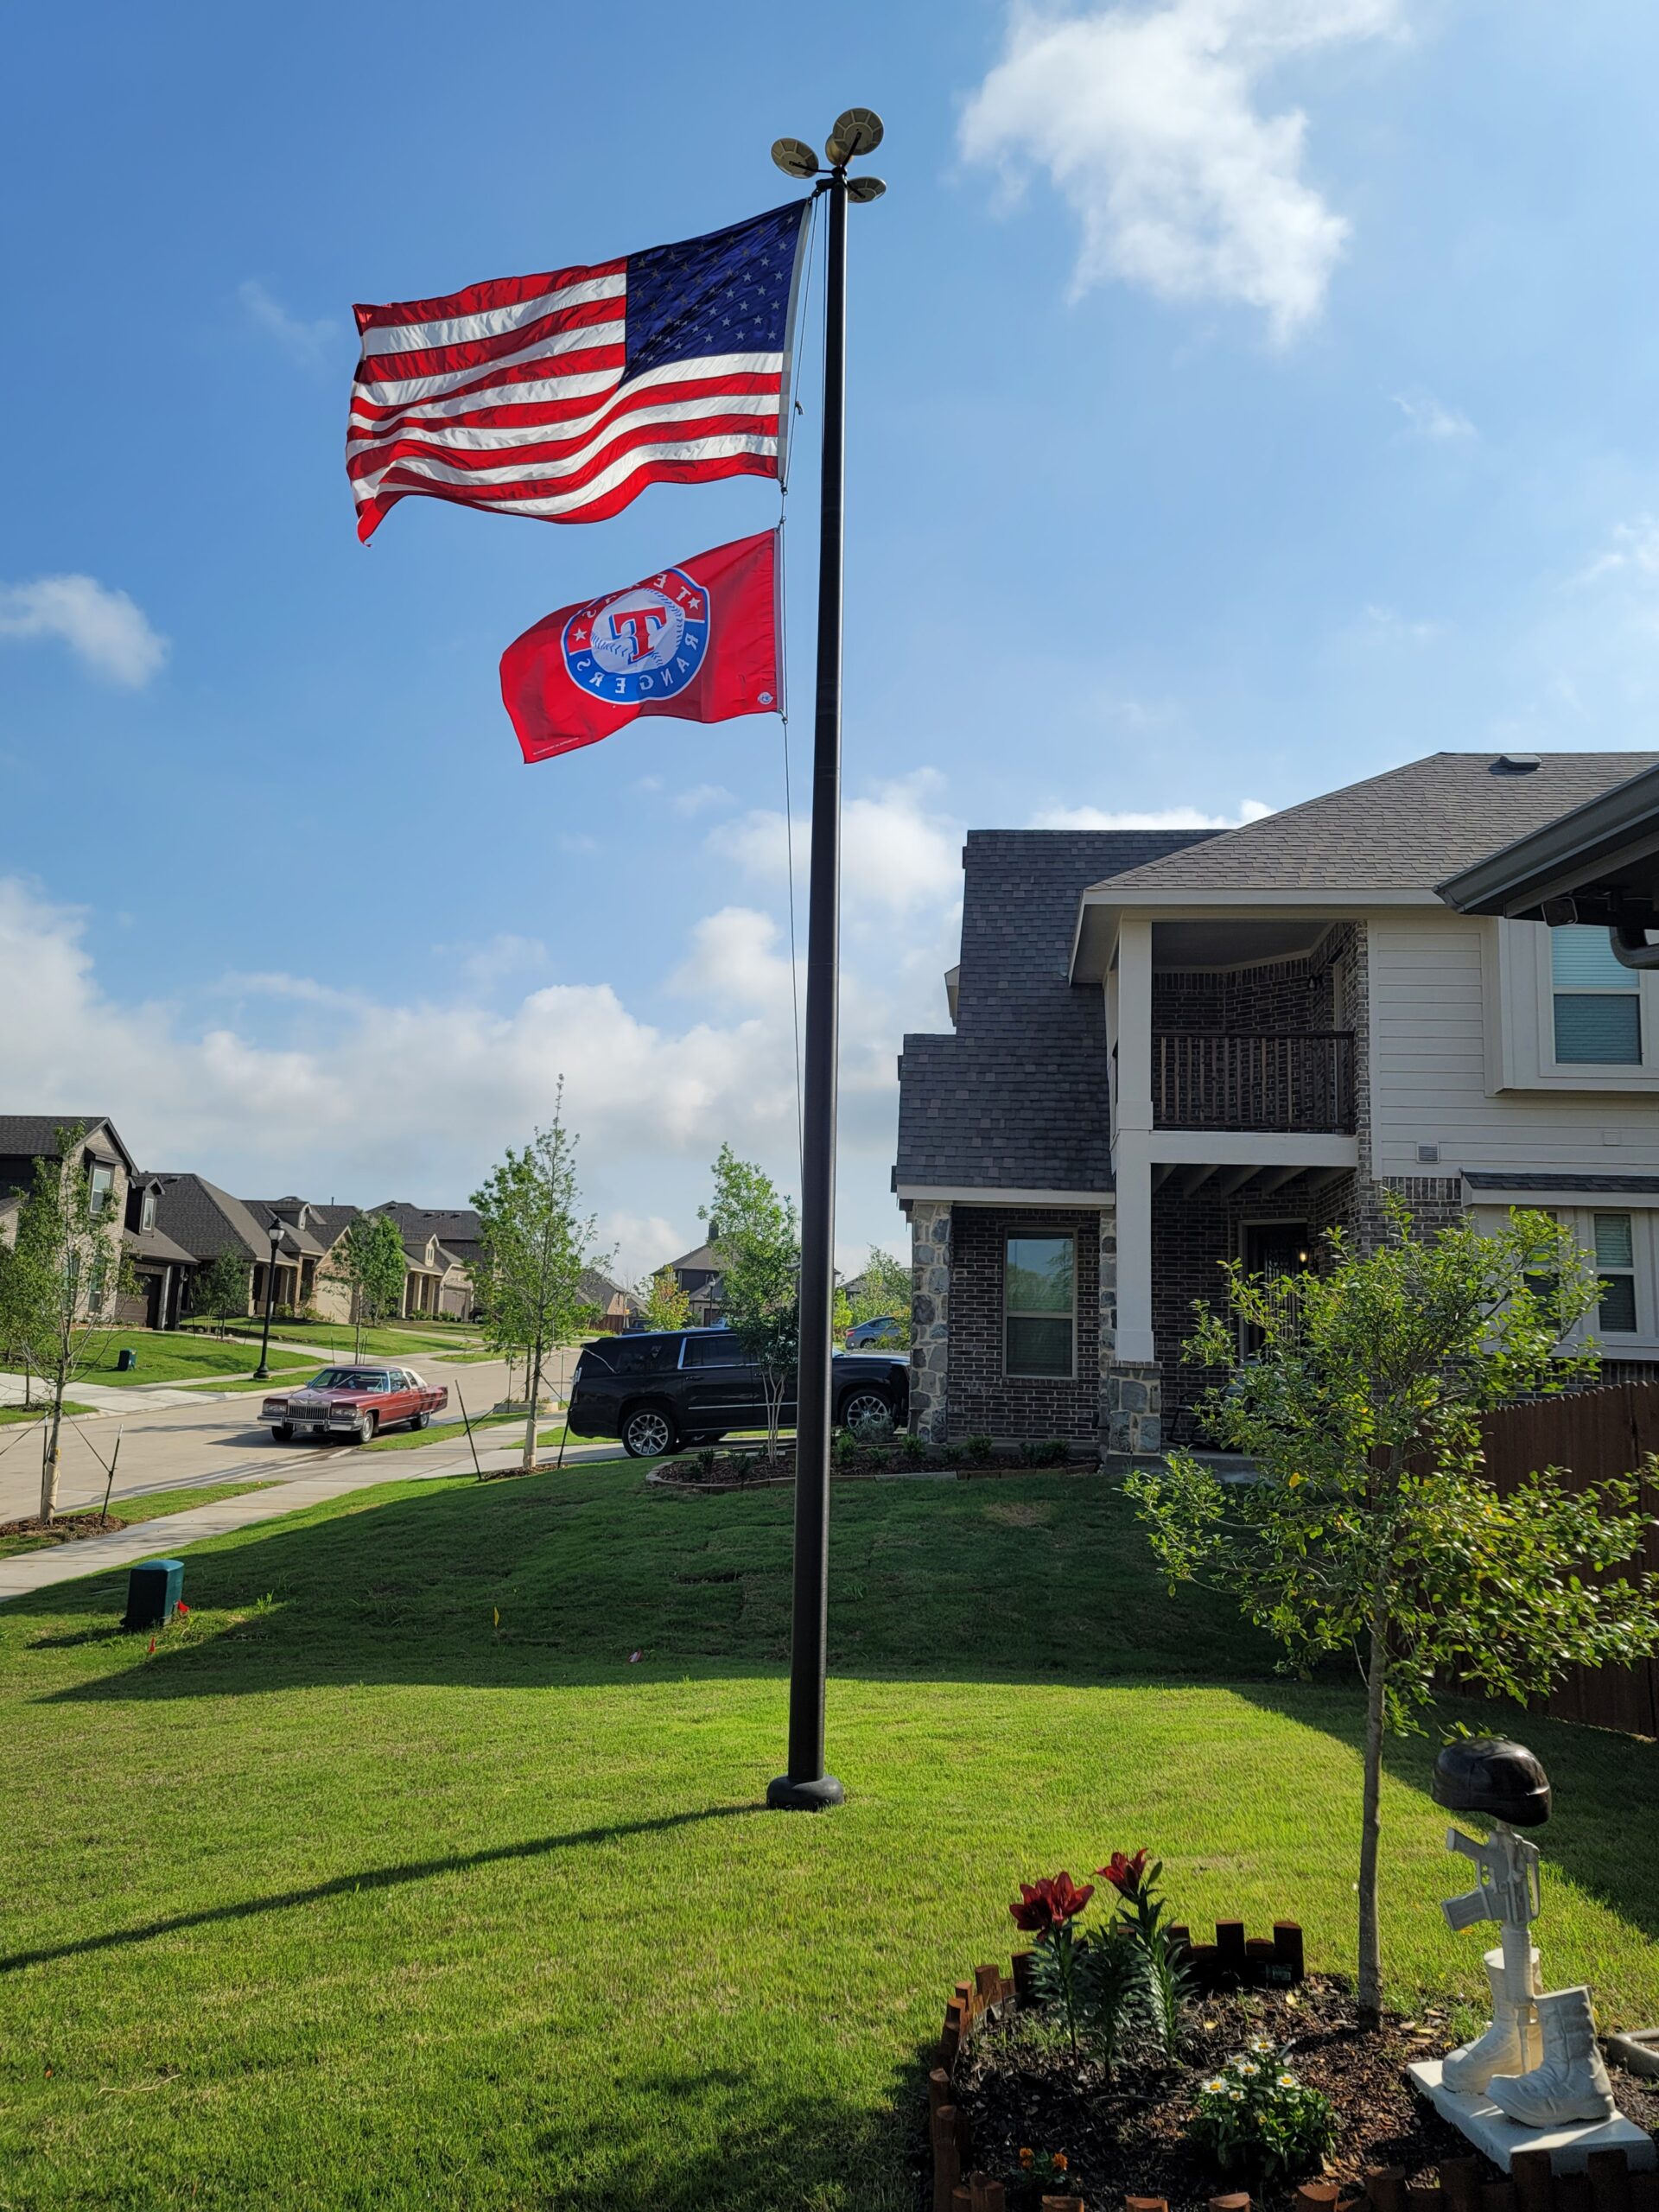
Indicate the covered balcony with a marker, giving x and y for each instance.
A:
(1278, 1079)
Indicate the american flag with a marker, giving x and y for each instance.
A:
(563, 395)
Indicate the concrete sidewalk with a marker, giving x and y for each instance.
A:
(138, 1397)
(168, 1532)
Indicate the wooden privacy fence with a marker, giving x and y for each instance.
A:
(1589, 1435)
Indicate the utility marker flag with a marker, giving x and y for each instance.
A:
(699, 640)
(563, 395)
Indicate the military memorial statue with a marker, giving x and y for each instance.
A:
(1537, 2066)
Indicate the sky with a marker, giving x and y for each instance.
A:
(1245, 397)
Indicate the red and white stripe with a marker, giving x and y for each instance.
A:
(510, 396)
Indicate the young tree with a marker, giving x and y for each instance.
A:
(534, 1252)
(665, 1305)
(66, 1272)
(25, 1316)
(1371, 1528)
(884, 1289)
(756, 1239)
(220, 1289)
(369, 1255)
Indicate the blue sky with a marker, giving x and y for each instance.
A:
(1247, 395)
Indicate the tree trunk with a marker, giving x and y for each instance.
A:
(1370, 1936)
(534, 1395)
(49, 1462)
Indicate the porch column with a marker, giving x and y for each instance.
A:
(1132, 1143)
(930, 1319)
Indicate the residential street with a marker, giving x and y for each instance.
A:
(166, 1444)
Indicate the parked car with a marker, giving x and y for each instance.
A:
(351, 1403)
(658, 1390)
(873, 1332)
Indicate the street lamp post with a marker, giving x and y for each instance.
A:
(807, 1787)
(262, 1373)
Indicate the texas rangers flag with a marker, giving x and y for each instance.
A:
(698, 641)
(562, 395)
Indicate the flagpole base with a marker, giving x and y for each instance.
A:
(784, 1795)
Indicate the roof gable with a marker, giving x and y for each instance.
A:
(1402, 831)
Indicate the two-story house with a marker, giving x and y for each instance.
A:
(1174, 1048)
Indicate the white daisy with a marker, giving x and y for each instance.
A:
(1286, 2080)
(1245, 2066)
(1261, 2044)
(1214, 2088)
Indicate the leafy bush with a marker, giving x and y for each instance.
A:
(1055, 1452)
(914, 1449)
(705, 1461)
(977, 1450)
(1256, 2118)
(873, 1430)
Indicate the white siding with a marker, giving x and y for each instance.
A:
(1433, 1039)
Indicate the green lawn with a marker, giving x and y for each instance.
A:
(13, 1414)
(150, 1507)
(389, 1882)
(174, 1356)
(414, 1343)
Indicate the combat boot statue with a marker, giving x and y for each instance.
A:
(1511, 2044)
(1571, 2084)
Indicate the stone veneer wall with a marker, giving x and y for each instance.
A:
(930, 1319)
(983, 1401)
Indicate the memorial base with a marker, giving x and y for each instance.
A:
(1569, 2145)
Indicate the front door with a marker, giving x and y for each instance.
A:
(1273, 1249)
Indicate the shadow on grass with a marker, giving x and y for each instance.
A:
(371, 1878)
(797, 2150)
(1606, 1809)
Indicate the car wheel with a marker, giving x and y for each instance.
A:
(282, 1431)
(367, 1423)
(648, 1433)
(865, 1405)
(421, 1421)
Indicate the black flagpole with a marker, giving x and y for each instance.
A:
(806, 1787)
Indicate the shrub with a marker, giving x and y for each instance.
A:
(1256, 2118)
(873, 1430)
(1055, 1452)
(705, 1461)
(977, 1450)
(914, 1449)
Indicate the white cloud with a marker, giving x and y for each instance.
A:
(700, 798)
(309, 344)
(1165, 818)
(1148, 120)
(1632, 550)
(1387, 625)
(900, 852)
(640, 1243)
(1427, 417)
(103, 628)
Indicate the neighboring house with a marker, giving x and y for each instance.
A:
(452, 1233)
(25, 1138)
(456, 1228)
(162, 1266)
(618, 1308)
(203, 1221)
(698, 1274)
(307, 1275)
(1175, 1048)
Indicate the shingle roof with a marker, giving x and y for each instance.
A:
(32, 1136)
(206, 1220)
(1406, 830)
(456, 1227)
(324, 1226)
(156, 1245)
(1485, 1179)
(1017, 1098)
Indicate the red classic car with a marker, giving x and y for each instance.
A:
(351, 1403)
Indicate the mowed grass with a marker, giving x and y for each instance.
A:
(172, 1355)
(16, 1416)
(390, 1881)
(148, 1505)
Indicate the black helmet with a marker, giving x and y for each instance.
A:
(1490, 1777)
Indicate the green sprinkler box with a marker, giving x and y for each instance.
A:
(125, 1360)
(153, 1592)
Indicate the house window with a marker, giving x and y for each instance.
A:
(1615, 1250)
(103, 1180)
(147, 1214)
(1597, 1000)
(1040, 1305)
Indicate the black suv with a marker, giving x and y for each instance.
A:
(658, 1390)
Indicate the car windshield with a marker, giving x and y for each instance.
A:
(348, 1378)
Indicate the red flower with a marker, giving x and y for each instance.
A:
(1043, 1906)
(1124, 1872)
(182, 1609)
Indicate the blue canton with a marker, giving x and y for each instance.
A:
(727, 293)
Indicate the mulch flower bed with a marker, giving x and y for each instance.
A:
(1021, 2088)
(744, 1468)
(66, 1527)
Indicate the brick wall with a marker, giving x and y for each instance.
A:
(982, 1400)
(1279, 995)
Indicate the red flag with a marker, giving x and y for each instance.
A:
(699, 640)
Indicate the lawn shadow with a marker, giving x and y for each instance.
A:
(857, 2158)
(371, 1877)
(1606, 1809)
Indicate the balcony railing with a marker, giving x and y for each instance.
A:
(1254, 1079)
